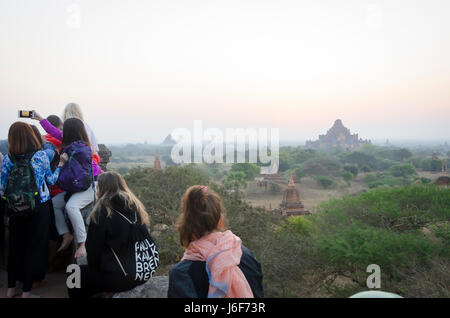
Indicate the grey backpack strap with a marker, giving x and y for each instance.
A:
(135, 214)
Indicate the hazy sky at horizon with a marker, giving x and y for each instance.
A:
(139, 69)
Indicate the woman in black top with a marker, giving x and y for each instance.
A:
(109, 231)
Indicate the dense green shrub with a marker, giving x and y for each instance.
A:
(442, 231)
(403, 170)
(385, 164)
(299, 172)
(425, 180)
(300, 156)
(384, 226)
(401, 154)
(210, 171)
(396, 209)
(399, 174)
(324, 181)
(370, 177)
(274, 188)
(323, 166)
(432, 164)
(250, 170)
(347, 176)
(358, 244)
(299, 225)
(365, 161)
(417, 162)
(387, 181)
(286, 159)
(235, 180)
(352, 168)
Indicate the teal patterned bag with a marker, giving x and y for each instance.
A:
(21, 189)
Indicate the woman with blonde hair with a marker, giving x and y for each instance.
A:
(116, 261)
(73, 110)
(215, 263)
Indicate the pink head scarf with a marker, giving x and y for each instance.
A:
(222, 253)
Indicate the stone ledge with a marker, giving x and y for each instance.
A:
(156, 287)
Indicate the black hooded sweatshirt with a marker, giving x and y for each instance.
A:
(109, 232)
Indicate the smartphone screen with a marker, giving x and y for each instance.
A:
(26, 114)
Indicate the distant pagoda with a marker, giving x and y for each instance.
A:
(157, 163)
(291, 204)
(337, 136)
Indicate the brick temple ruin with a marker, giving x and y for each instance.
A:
(291, 204)
(337, 136)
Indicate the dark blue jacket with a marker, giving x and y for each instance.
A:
(188, 279)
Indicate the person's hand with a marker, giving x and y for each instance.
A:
(36, 116)
(63, 159)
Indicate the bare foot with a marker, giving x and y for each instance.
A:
(29, 295)
(81, 251)
(67, 239)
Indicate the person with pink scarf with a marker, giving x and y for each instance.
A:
(215, 263)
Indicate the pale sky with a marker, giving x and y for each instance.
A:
(140, 69)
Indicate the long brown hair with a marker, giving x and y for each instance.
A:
(22, 139)
(111, 183)
(56, 157)
(74, 130)
(37, 133)
(201, 212)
